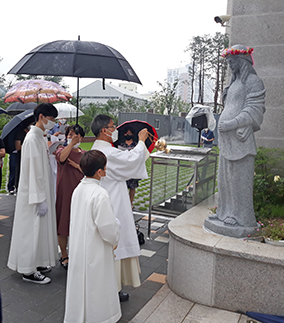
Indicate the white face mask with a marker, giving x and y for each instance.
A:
(114, 135)
(69, 140)
(49, 125)
(62, 121)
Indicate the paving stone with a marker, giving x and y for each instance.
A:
(152, 264)
(163, 251)
(162, 239)
(29, 317)
(145, 272)
(147, 253)
(159, 278)
(145, 293)
(205, 314)
(130, 308)
(173, 309)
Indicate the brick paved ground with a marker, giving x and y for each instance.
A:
(24, 302)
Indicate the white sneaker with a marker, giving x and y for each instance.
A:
(37, 278)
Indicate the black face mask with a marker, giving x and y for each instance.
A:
(128, 137)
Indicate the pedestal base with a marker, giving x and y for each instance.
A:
(223, 272)
(216, 226)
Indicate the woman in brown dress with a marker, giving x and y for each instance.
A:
(69, 175)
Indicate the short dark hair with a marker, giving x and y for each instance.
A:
(92, 161)
(74, 127)
(127, 128)
(100, 121)
(47, 109)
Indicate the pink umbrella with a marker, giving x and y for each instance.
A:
(37, 91)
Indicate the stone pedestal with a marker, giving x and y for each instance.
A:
(223, 272)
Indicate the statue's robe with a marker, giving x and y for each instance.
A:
(244, 104)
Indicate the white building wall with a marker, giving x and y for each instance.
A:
(94, 93)
(183, 89)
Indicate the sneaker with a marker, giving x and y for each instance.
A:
(44, 270)
(37, 278)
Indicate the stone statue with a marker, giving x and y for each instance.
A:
(242, 116)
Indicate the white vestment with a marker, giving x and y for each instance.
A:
(34, 238)
(121, 166)
(92, 294)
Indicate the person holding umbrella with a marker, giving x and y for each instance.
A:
(122, 165)
(129, 144)
(34, 240)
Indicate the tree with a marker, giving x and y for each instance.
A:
(218, 66)
(85, 121)
(206, 61)
(199, 49)
(166, 101)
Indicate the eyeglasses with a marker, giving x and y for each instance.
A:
(113, 126)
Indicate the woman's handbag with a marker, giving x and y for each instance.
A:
(140, 235)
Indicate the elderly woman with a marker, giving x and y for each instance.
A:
(69, 175)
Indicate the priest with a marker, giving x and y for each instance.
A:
(121, 166)
(34, 240)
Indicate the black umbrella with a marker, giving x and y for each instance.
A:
(76, 59)
(20, 121)
(3, 111)
(137, 125)
(266, 318)
(18, 107)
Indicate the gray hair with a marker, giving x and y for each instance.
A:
(100, 121)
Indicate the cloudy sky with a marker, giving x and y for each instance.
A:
(151, 34)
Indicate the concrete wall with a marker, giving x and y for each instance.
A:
(169, 126)
(260, 24)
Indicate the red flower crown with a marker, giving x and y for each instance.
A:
(233, 51)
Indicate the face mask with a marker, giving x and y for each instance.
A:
(76, 146)
(49, 125)
(128, 137)
(102, 176)
(69, 140)
(114, 135)
(62, 121)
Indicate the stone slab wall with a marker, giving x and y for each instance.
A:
(260, 24)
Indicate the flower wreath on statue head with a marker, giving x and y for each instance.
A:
(245, 52)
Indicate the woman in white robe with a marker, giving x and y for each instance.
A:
(92, 294)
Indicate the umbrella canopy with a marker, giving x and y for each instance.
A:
(137, 125)
(20, 121)
(37, 91)
(266, 318)
(3, 111)
(67, 110)
(77, 59)
(18, 107)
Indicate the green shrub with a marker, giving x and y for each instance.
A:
(268, 190)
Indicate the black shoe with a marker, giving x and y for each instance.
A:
(64, 265)
(123, 297)
(37, 278)
(44, 270)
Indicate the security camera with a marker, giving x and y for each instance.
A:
(223, 20)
